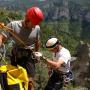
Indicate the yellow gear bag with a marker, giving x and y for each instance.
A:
(13, 78)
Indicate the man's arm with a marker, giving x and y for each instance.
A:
(37, 44)
(37, 41)
(54, 64)
(2, 39)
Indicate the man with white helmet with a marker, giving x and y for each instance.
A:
(60, 65)
(28, 31)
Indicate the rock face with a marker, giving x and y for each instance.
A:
(81, 66)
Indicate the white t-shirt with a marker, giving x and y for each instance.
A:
(64, 55)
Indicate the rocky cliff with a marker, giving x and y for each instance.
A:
(81, 66)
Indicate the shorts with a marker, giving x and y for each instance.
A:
(56, 81)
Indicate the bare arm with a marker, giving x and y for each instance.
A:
(37, 45)
(54, 64)
(2, 39)
(37, 41)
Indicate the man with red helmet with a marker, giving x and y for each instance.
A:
(27, 30)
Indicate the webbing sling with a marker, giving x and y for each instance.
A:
(3, 81)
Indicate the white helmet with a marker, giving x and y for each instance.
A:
(52, 42)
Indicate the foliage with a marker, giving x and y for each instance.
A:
(68, 32)
(41, 76)
(85, 35)
(61, 31)
(7, 16)
(78, 28)
(3, 60)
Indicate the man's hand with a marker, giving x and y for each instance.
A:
(39, 56)
(1, 25)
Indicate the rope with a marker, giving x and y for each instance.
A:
(11, 31)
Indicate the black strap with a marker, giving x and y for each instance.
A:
(23, 84)
(3, 81)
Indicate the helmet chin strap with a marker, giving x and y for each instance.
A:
(58, 48)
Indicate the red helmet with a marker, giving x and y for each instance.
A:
(35, 15)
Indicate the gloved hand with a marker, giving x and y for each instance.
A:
(39, 56)
(1, 25)
(29, 47)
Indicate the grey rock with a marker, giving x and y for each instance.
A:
(81, 65)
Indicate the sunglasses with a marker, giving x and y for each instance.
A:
(53, 48)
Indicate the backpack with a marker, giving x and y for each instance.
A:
(13, 78)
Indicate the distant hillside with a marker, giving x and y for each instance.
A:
(53, 9)
(75, 12)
